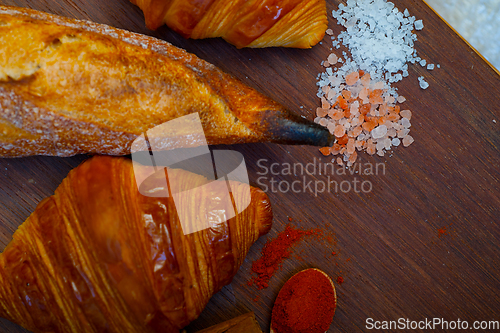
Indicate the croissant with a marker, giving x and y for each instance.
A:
(98, 256)
(243, 23)
(69, 87)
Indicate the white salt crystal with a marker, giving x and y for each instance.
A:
(423, 62)
(430, 67)
(423, 83)
(379, 37)
(419, 25)
(335, 81)
(396, 142)
(379, 132)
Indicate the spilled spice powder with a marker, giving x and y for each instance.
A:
(442, 232)
(275, 252)
(340, 280)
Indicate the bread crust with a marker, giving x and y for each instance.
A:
(69, 87)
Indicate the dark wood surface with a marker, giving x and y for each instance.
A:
(395, 261)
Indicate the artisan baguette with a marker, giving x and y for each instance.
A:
(69, 87)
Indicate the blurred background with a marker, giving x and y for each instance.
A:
(478, 21)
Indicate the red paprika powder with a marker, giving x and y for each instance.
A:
(275, 252)
(305, 304)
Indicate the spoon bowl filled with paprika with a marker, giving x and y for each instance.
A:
(305, 304)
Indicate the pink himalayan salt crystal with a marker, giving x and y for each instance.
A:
(365, 80)
(324, 103)
(357, 130)
(408, 140)
(402, 133)
(379, 85)
(331, 127)
(339, 131)
(370, 148)
(320, 112)
(332, 59)
(353, 158)
(351, 148)
(406, 114)
(352, 78)
(363, 95)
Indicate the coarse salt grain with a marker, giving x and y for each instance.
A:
(406, 114)
(407, 140)
(364, 113)
(423, 84)
(419, 25)
(332, 59)
(379, 132)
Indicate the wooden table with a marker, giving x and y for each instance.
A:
(422, 243)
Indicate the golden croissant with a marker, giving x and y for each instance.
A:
(69, 87)
(243, 23)
(98, 256)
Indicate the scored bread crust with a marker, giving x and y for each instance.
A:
(69, 86)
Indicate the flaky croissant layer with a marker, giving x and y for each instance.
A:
(243, 23)
(98, 256)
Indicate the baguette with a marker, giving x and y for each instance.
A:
(70, 87)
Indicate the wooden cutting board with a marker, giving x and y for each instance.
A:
(422, 243)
